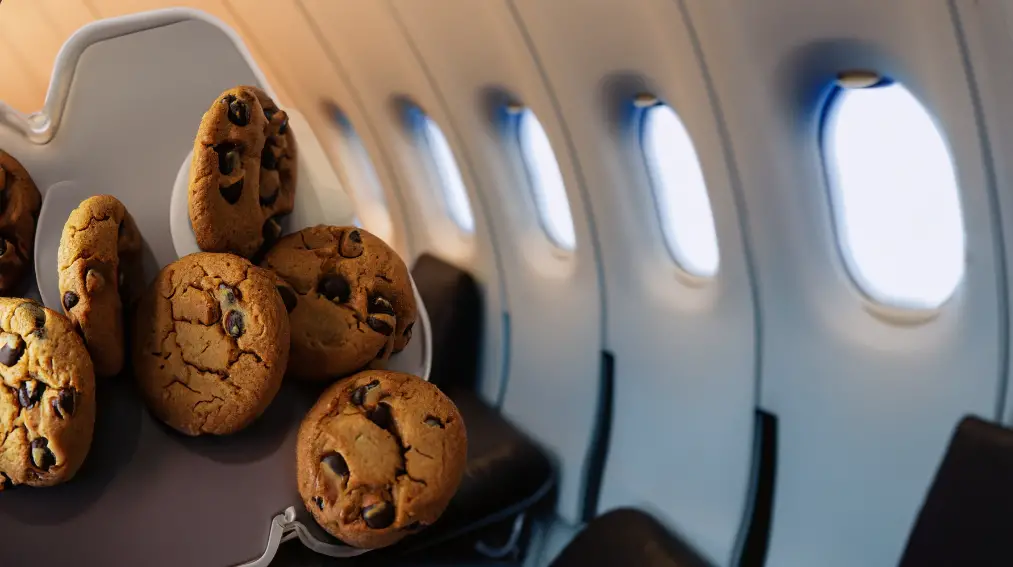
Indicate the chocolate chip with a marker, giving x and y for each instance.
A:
(359, 395)
(268, 200)
(269, 114)
(3, 246)
(69, 300)
(378, 304)
(239, 111)
(271, 231)
(267, 157)
(42, 457)
(351, 244)
(378, 516)
(228, 293)
(381, 416)
(335, 287)
(12, 349)
(229, 158)
(30, 392)
(284, 126)
(232, 193)
(319, 502)
(288, 297)
(380, 326)
(433, 421)
(63, 404)
(336, 463)
(234, 324)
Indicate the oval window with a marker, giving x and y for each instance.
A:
(452, 189)
(546, 181)
(360, 177)
(680, 192)
(894, 195)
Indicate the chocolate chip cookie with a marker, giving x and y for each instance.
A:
(19, 210)
(243, 173)
(47, 396)
(211, 342)
(379, 456)
(99, 266)
(349, 296)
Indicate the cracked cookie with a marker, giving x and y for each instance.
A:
(211, 342)
(350, 300)
(379, 456)
(19, 211)
(99, 266)
(47, 396)
(243, 173)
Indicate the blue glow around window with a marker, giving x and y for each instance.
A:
(455, 195)
(546, 182)
(680, 192)
(895, 196)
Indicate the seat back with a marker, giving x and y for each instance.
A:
(965, 519)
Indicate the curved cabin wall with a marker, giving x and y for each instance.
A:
(865, 392)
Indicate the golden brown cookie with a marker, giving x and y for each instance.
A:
(211, 342)
(352, 301)
(100, 271)
(19, 211)
(379, 456)
(47, 396)
(243, 173)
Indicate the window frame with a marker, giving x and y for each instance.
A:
(423, 127)
(907, 309)
(644, 105)
(516, 116)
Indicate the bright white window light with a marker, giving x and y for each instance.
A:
(546, 182)
(895, 196)
(454, 194)
(680, 192)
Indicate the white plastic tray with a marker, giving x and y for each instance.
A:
(120, 118)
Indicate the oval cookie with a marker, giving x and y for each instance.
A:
(47, 402)
(19, 210)
(211, 342)
(99, 266)
(243, 173)
(350, 296)
(379, 456)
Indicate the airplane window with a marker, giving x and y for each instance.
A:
(680, 192)
(454, 194)
(360, 177)
(894, 194)
(546, 181)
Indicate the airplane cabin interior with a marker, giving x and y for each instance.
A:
(660, 283)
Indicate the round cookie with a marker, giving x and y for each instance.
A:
(211, 342)
(47, 396)
(243, 173)
(351, 300)
(19, 210)
(99, 266)
(379, 456)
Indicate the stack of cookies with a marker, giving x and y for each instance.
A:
(214, 335)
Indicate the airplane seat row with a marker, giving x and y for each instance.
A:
(963, 520)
